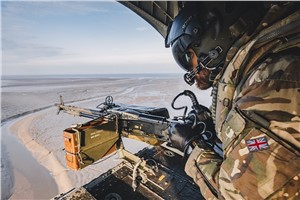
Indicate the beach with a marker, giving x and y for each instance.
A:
(32, 150)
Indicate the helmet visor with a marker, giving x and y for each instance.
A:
(174, 33)
(181, 55)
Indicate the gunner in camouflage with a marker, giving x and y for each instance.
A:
(249, 54)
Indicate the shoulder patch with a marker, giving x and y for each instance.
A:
(257, 144)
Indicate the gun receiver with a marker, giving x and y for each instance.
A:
(147, 124)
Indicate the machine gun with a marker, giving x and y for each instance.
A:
(86, 143)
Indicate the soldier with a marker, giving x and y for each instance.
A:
(248, 52)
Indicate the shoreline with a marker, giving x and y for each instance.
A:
(65, 179)
(45, 157)
(38, 159)
(23, 177)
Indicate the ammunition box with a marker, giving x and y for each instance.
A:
(90, 142)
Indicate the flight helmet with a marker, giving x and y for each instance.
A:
(209, 28)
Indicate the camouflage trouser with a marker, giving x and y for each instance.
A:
(202, 166)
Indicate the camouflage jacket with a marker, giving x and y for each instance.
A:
(257, 118)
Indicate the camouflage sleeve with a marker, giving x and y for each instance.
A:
(263, 159)
(203, 166)
(273, 91)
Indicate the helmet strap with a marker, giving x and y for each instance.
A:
(203, 63)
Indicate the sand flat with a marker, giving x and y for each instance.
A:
(28, 105)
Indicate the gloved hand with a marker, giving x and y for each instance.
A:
(182, 135)
(194, 117)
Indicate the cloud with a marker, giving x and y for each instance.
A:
(50, 8)
(22, 51)
(20, 41)
(128, 62)
(53, 37)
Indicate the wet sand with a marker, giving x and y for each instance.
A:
(26, 184)
(33, 165)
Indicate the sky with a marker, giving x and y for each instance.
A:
(79, 37)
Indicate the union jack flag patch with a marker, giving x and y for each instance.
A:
(257, 144)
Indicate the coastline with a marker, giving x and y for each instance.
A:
(45, 157)
(22, 176)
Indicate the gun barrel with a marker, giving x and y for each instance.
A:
(81, 112)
